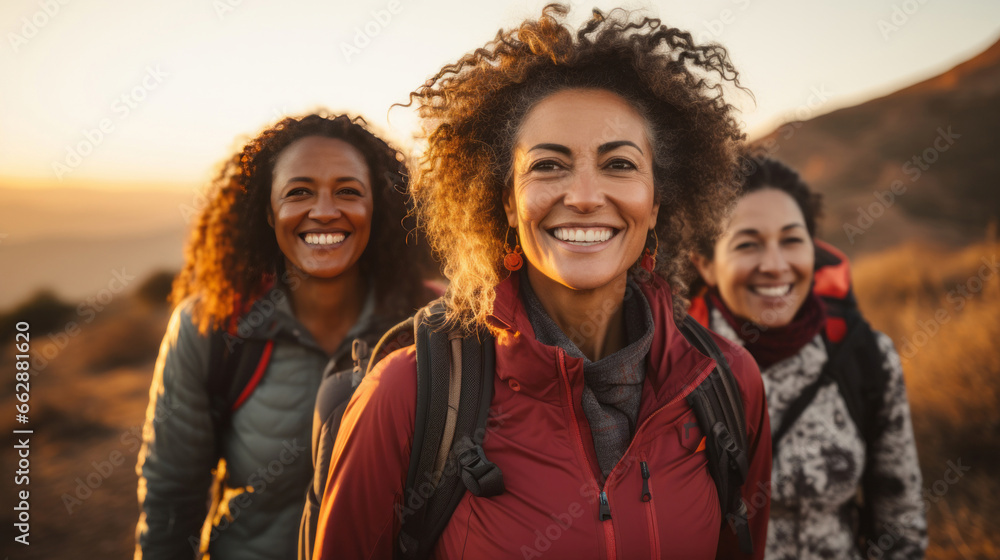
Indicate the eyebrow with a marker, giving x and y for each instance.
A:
(607, 147)
(751, 231)
(602, 149)
(313, 181)
(552, 147)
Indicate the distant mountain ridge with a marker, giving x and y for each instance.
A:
(917, 164)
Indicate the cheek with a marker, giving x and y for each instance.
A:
(734, 275)
(534, 201)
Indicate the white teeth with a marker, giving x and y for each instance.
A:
(581, 236)
(324, 238)
(775, 291)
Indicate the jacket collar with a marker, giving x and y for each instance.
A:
(673, 364)
(271, 317)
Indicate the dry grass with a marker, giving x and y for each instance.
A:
(949, 342)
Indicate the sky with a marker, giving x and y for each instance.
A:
(139, 94)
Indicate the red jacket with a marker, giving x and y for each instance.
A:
(540, 439)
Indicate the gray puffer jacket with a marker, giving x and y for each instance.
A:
(267, 455)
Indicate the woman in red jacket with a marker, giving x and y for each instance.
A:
(582, 153)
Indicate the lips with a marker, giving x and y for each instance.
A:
(772, 291)
(583, 236)
(323, 239)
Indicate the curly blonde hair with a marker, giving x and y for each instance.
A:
(232, 256)
(472, 111)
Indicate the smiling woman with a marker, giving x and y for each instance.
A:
(835, 389)
(298, 252)
(582, 150)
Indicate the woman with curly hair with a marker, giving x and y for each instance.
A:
(835, 389)
(298, 251)
(585, 155)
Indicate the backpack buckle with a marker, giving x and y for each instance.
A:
(737, 457)
(479, 475)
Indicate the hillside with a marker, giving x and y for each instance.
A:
(73, 240)
(935, 139)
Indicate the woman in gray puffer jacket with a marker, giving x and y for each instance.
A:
(297, 251)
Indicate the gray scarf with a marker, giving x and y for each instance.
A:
(612, 385)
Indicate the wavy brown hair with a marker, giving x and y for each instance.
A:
(473, 109)
(232, 256)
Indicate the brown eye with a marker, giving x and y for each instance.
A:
(546, 165)
(621, 164)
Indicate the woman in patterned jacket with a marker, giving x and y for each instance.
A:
(762, 293)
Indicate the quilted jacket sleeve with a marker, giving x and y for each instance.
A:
(177, 455)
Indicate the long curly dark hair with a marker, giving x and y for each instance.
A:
(232, 256)
(473, 108)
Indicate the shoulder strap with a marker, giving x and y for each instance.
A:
(236, 367)
(454, 391)
(718, 408)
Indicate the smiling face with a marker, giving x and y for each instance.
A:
(321, 206)
(582, 197)
(763, 263)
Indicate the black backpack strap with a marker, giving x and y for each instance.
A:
(235, 368)
(838, 369)
(799, 406)
(454, 391)
(718, 407)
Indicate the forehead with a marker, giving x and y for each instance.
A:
(767, 209)
(583, 118)
(316, 154)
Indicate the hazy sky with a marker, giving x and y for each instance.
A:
(134, 92)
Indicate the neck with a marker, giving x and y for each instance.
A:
(328, 307)
(592, 319)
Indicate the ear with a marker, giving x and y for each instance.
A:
(652, 216)
(706, 268)
(270, 216)
(510, 207)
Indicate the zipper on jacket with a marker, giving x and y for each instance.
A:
(605, 514)
(646, 496)
(609, 532)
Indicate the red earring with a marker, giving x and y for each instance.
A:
(648, 262)
(512, 259)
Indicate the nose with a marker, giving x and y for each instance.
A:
(585, 193)
(773, 261)
(325, 207)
